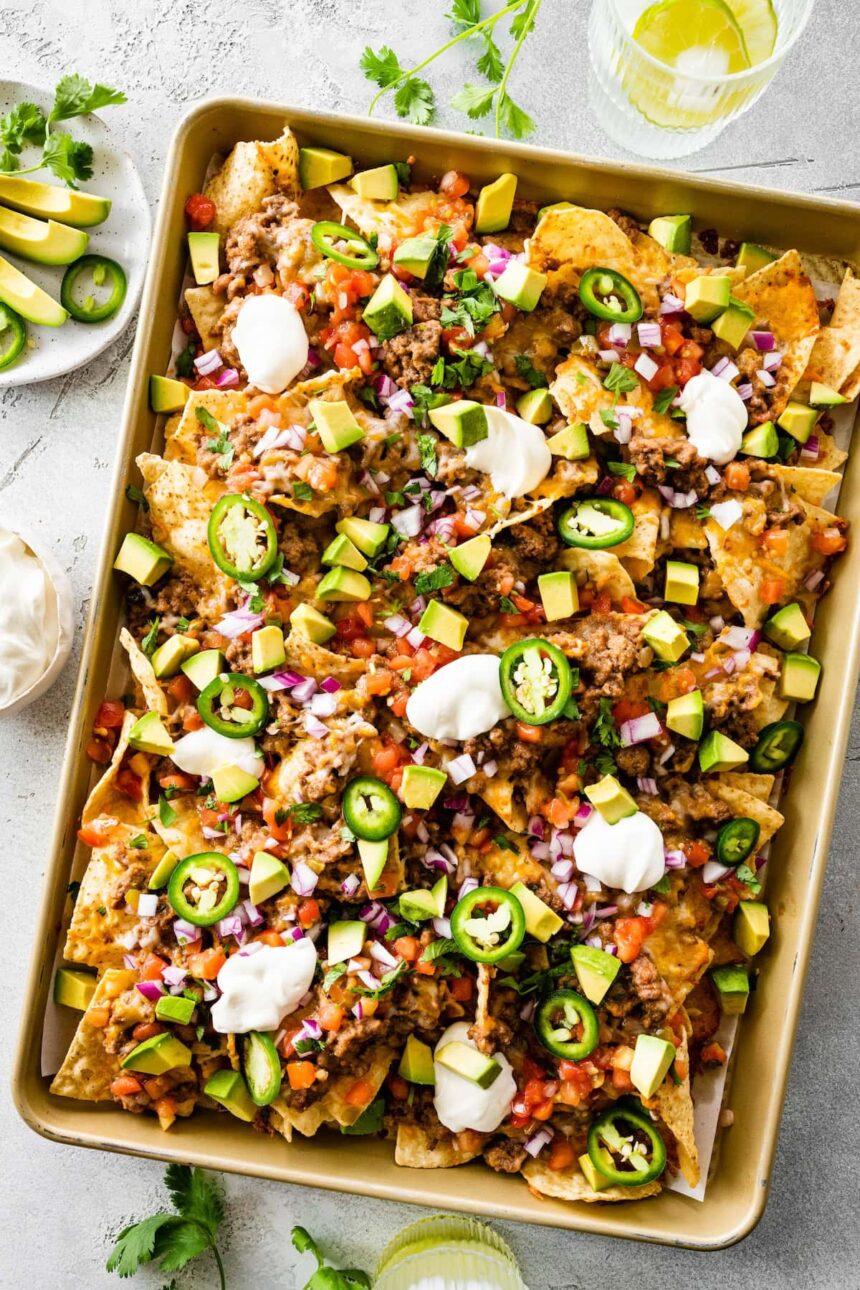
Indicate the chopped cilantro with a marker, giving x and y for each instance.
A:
(185, 360)
(505, 844)
(140, 842)
(507, 606)
(404, 173)
(134, 494)
(166, 813)
(604, 730)
(695, 629)
(434, 579)
(624, 468)
(529, 372)
(663, 887)
(305, 812)
(437, 949)
(463, 373)
(333, 974)
(607, 416)
(386, 983)
(663, 399)
(302, 491)
(620, 379)
(473, 305)
(604, 764)
(427, 448)
(150, 640)
(672, 463)
(702, 512)
(747, 877)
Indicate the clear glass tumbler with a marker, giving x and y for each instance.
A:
(657, 110)
(448, 1253)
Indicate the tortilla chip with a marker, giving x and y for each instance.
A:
(571, 1184)
(567, 242)
(181, 440)
(251, 172)
(783, 300)
(179, 510)
(305, 656)
(333, 1108)
(681, 954)
(507, 865)
(686, 531)
(99, 932)
(413, 1150)
(154, 698)
(811, 483)
(744, 804)
(89, 1070)
(398, 218)
(760, 786)
(639, 553)
(184, 837)
(835, 360)
(830, 455)
(105, 800)
(206, 309)
(674, 1105)
(600, 569)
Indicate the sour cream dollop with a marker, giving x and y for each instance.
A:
(463, 699)
(272, 342)
(29, 621)
(716, 417)
(202, 752)
(627, 855)
(514, 454)
(258, 990)
(460, 1103)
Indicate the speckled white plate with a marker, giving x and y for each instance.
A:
(124, 236)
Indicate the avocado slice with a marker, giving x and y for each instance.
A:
(464, 422)
(570, 443)
(751, 927)
(799, 679)
(167, 395)
(495, 203)
(470, 557)
(162, 871)
(232, 783)
(535, 406)
(203, 248)
(204, 667)
(267, 648)
(685, 715)
(796, 419)
(541, 921)
(593, 1176)
(373, 856)
(321, 166)
(49, 201)
(559, 594)
(421, 785)
(733, 986)
(520, 286)
(335, 424)
(74, 989)
(707, 296)
(717, 752)
(345, 940)
(367, 535)
(416, 254)
(230, 1090)
(788, 627)
(341, 551)
(310, 623)
(177, 1008)
(674, 232)
(611, 799)
(341, 584)
(443, 624)
(733, 325)
(595, 971)
(380, 184)
(752, 257)
(667, 639)
(268, 876)
(652, 1058)
(416, 1063)
(389, 309)
(141, 559)
(157, 1054)
(822, 396)
(467, 1061)
(682, 582)
(30, 301)
(44, 243)
(761, 441)
(169, 657)
(149, 735)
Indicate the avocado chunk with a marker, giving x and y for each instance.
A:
(752, 257)
(652, 1058)
(149, 735)
(268, 876)
(799, 679)
(559, 594)
(267, 648)
(28, 300)
(611, 799)
(675, 232)
(310, 623)
(761, 441)
(169, 657)
(555, 206)
(416, 254)
(416, 1063)
(203, 249)
(50, 201)
(321, 166)
(163, 870)
(733, 325)
(74, 989)
(717, 752)
(373, 856)
(464, 422)
(706, 297)
(175, 1007)
(593, 1176)
(822, 396)
(685, 715)
(682, 582)
(751, 927)
(797, 420)
(230, 1090)
(389, 309)
(535, 406)
(167, 395)
(367, 535)
(345, 940)
(445, 625)
(342, 551)
(667, 639)
(595, 971)
(343, 584)
(141, 559)
(467, 1061)
(379, 184)
(232, 783)
(470, 557)
(541, 921)
(204, 667)
(495, 203)
(570, 443)
(421, 785)
(733, 986)
(335, 424)
(157, 1054)
(420, 904)
(44, 243)
(520, 286)
(788, 627)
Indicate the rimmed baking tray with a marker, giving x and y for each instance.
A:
(738, 1191)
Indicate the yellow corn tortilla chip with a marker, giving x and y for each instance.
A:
(89, 1069)
(784, 301)
(185, 835)
(811, 483)
(846, 324)
(154, 698)
(206, 309)
(639, 553)
(674, 1105)
(571, 1184)
(746, 804)
(567, 242)
(181, 440)
(506, 865)
(398, 218)
(830, 455)
(252, 171)
(105, 799)
(760, 786)
(179, 510)
(310, 659)
(415, 1149)
(99, 931)
(333, 1108)
(679, 947)
(601, 569)
(835, 360)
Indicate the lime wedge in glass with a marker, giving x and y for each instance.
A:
(702, 37)
(448, 1253)
(758, 22)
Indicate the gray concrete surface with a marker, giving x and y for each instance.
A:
(61, 1205)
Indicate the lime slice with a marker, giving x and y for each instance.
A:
(700, 37)
(758, 22)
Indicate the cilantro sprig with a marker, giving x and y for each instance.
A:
(26, 124)
(326, 1278)
(175, 1239)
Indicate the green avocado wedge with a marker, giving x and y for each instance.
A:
(44, 242)
(28, 300)
(49, 201)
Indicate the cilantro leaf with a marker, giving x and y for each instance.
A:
(179, 1242)
(427, 448)
(438, 949)
(185, 360)
(507, 606)
(530, 373)
(383, 68)
(208, 422)
(386, 982)
(515, 119)
(8, 161)
(703, 512)
(68, 159)
(166, 813)
(663, 400)
(135, 1245)
(75, 96)
(464, 13)
(304, 1242)
(151, 638)
(505, 844)
(746, 875)
(404, 173)
(524, 21)
(607, 416)
(490, 63)
(474, 100)
(333, 974)
(624, 468)
(196, 1195)
(305, 812)
(604, 730)
(139, 842)
(415, 101)
(434, 579)
(25, 123)
(134, 494)
(370, 1120)
(620, 379)
(302, 491)
(604, 764)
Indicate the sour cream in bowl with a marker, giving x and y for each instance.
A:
(35, 621)
(272, 342)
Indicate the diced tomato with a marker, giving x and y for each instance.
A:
(625, 492)
(192, 721)
(206, 964)
(270, 937)
(460, 988)
(200, 212)
(125, 1086)
(457, 338)
(408, 947)
(737, 476)
(561, 1154)
(560, 812)
(454, 184)
(663, 378)
(673, 337)
(529, 734)
(359, 1093)
(99, 1016)
(331, 1016)
(630, 934)
(629, 710)
(601, 603)
(99, 751)
(153, 968)
(579, 1080)
(129, 784)
(97, 833)
(622, 1081)
(309, 912)
(398, 705)
(179, 780)
(362, 647)
(110, 715)
(829, 542)
(686, 369)
(632, 606)
(714, 1054)
(398, 1087)
(697, 852)
(277, 820)
(301, 1074)
(771, 590)
(349, 627)
(146, 1030)
(180, 688)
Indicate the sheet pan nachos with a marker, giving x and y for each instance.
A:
(468, 607)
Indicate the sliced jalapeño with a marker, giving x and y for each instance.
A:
(203, 888)
(567, 1025)
(100, 272)
(596, 523)
(778, 745)
(536, 681)
(488, 924)
(359, 254)
(625, 1147)
(607, 294)
(234, 705)
(242, 537)
(737, 840)
(370, 809)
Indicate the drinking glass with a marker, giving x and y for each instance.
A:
(445, 1250)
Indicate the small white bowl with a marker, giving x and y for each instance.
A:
(62, 588)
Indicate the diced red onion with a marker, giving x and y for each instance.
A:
(741, 658)
(646, 785)
(638, 729)
(294, 934)
(712, 475)
(606, 911)
(462, 822)
(623, 431)
(812, 448)
(323, 705)
(185, 931)
(763, 340)
(740, 637)
(501, 399)
(729, 372)
(330, 685)
(230, 926)
(461, 768)
(350, 884)
(727, 513)
(402, 401)
(474, 518)
(376, 514)
(537, 826)
(609, 355)
(314, 727)
(491, 768)
(408, 522)
(458, 803)
(303, 880)
(583, 815)
(305, 689)
(720, 366)
(416, 638)
(397, 624)
(562, 869)
(540, 851)
(592, 884)
(228, 379)
(368, 979)
(621, 334)
(467, 885)
(646, 367)
(152, 990)
(745, 390)
(665, 755)
(671, 304)
(295, 437)
(535, 1144)
(209, 363)
(367, 481)
(812, 580)
(772, 361)
(442, 926)
(568, 894)
(675, 859)
(527, 1010)
(147, 905)
(713, 871)
(422, 833)
(433, 859)
(237, 623)
(252, 913)
(766, 379)
(729, 664)
(381, 954)
(678, 501)
(650, 334)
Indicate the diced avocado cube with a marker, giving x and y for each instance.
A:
(733, 987)
(416, 1063)
(321, 166)
(204, 667)
(559, 594)
(141, 559)
(541, 921)
(520, 285)
(734, 324)
(367, 535)
(751, 927)
(788, 627)
(555, 206)
(162, 871)
(513, 962)
(717, 752)
(311, 624)
(595, 971)
(799, 679)
(373, 856)
(467, 1061)
(675, 232)
(149, 735)
(706, 297)
(269, 875)
(167, 395)
(611, 799)
(335, 424)
(231, 783)
(535, 406)
(74, 989)
(418, 905)
(157, 1054)
(652, 1058)
(203, 249)
(761, 441)
(682, 582)
(342, 551)
(416, 254)
(595, 1179)
(345, 940)
(495, 203)
(379, 184)
(464, 422)
(421, 785)
(267, 648)
(570, 443)
(470, 557)
(389, 309)
(175, 1007)
(685, 715)
(797, 420)
(822, 396)
(667, 639)
(443, 624)
(169, 657)
(343, 584)
(230, 1090)
(752, 257)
